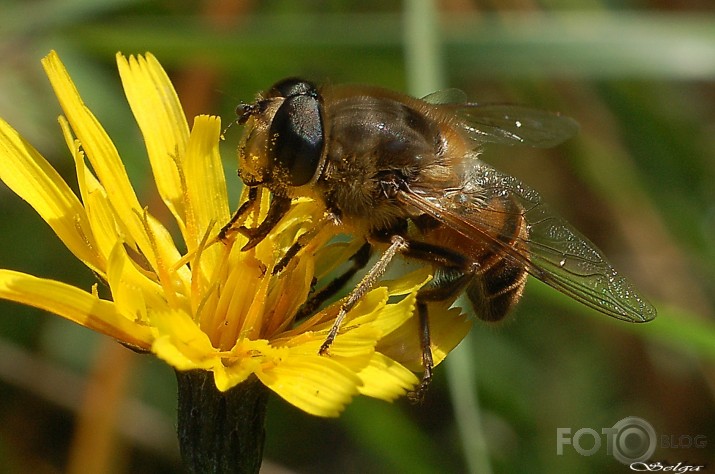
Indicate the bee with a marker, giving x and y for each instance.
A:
(405, 174)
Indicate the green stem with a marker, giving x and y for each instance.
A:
(220, 432)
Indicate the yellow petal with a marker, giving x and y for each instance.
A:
(105, 227)
(74, 304)
(386, 379)
(205, 186)
(387, 319)
(447, 328)
(181, 343)
(161, 119)
(246, 358)
(353, 346)
(366, 310)
(32, 178)
(226, 378)
(100, 151)
(132, 290)
(174, 280)
(315, 384)
(288, 294)
(330, 256)
(390, 317)
(165, 348)
(409, 283)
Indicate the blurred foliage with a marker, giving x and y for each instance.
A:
(640, 78)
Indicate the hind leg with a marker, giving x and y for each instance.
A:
(440, 292)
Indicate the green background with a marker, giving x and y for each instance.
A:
(639, 180)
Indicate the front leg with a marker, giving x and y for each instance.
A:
(243, 209)
(279, 207)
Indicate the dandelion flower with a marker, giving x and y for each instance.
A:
(206, 307)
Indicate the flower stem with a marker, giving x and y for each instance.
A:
(220, 432)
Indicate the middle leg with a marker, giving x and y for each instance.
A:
(398, 244)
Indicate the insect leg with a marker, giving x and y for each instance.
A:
(398, 244)
(279, 207)
(360, 259)
(442, 290)
(425, 345)
(455, 275)
(252, 195)
(327, 220)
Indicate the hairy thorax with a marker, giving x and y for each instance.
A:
(373, 140)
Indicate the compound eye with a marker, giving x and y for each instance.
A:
(297, 137)
(291, 87)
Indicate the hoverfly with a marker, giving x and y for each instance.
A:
(405, 173)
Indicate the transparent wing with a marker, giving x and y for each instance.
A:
(505, 124)
(514, 125)
(446, 96)
(554, 251)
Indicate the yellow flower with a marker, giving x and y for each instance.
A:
(205, 304)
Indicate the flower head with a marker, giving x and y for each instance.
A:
(205, 304)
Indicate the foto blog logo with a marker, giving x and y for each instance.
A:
(630, 440)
